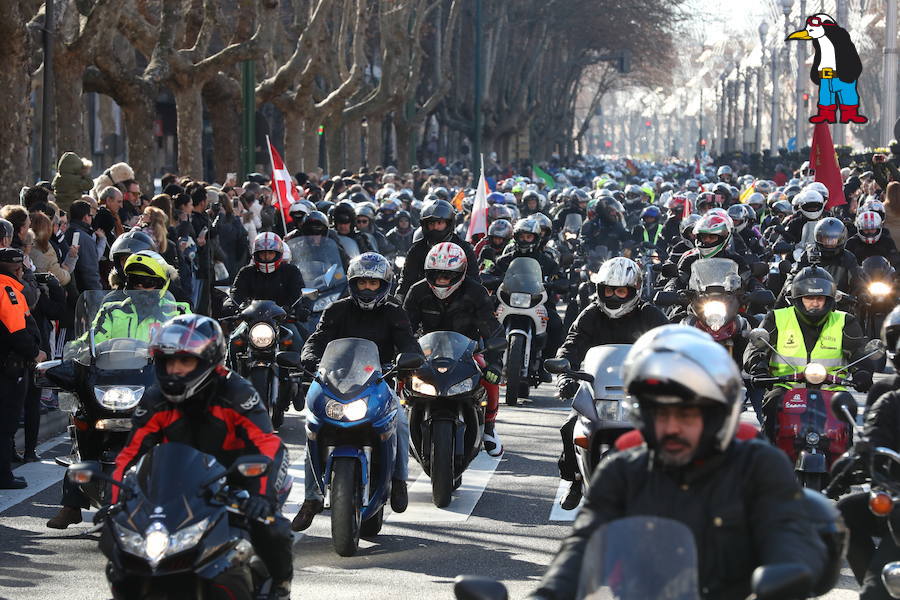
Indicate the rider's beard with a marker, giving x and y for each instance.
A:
(679, 454)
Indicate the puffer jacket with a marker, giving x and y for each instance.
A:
(70, 182)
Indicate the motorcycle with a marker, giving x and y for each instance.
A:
(107, 377)
(319, 261)
(179, 525)
(522, 314)
(601, 403)
(651, 558)
(445, 402)
(878, 299)
(808, 431)
(351, 423)
(260, 334)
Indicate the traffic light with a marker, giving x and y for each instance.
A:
(805, 97)
(321, 130)
(648, 123)
(703, 142)
(608, 144)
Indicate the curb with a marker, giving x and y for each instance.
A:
(52, 424)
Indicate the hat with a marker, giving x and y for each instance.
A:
(11, 255)
(6, 229)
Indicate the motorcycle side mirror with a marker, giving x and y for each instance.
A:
(495, 344)
(875, 348)
(309, 293)
(665, 298)
(763, 297)
(791, 580)
(252, 466)
(759, 337)
(470, 587)
(890, 577)
(407, 361)
(669, 270)
(844, 407)
(56, 374)
(557, 366)
(288, 359)
(84, 472)
(759, 269)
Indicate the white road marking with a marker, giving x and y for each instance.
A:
(39, 475)
(557, 513)
(474, 481)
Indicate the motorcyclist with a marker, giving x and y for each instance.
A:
(365, 224)
(676, 212)
(370, 312)
(198, 401)
(808, 205)
(387, 215)
(725, 173)
(343, 221)
(437, 222)
(531, 203)
(829, 251)
(617, 316)
(686, 240)
(746, 241)
(401, 234)
(607, 228)
(870, 239)
(575, 201)
(740, 499)
(650, 230)
(499, 234)
(810, 329)
(446, 300)
(315, 226)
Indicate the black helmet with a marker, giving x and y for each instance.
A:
(531, 195)
(578, 198)
(725, 191)
(403, 214)
(813, 281)
(890, 335)
(193, 336)
(527, 226)
(315, 224)
(343, 212)
(358, 197)
(439, 210)
(324, 206)
(127, 244)
(831, 237)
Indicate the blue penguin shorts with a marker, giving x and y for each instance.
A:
(834, 91)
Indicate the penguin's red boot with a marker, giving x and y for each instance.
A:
(827, 114)
(850, 114)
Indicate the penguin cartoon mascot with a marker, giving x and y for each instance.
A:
(835, 69)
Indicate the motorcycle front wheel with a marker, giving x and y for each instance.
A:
(441, 462)
(515, 359)
(345, 505)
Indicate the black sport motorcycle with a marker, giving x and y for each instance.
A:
(178, 530)
(106, 375)
(445, 402)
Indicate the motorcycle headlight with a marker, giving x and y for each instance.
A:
(815, 373)
(353, 411)
(188, 537)
(812, 438)
(156, 542)
(467, 385)
(422, 387)
(262, 335)
(610, 410)
(400, 261)
(879, 288)
(118, 397)
(324, 302)
(132, 542)
(714, 313)
(520, 300)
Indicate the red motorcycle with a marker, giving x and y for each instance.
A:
(808, 430)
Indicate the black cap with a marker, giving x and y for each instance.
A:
(11, 255)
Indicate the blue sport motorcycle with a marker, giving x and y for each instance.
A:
(351, 434)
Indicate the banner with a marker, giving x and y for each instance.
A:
(548, 179)
(284, 191)
(478, 220)
(823, 159)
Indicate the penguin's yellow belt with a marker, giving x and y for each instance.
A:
(827, 74)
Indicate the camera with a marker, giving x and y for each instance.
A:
(43, 277)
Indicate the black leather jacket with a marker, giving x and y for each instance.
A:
(744, 508)
(282, 287)
(882, 424)
(414, 267)
(593, 327)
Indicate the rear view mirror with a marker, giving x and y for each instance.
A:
(890, 577)
(875, 348)
(57, 374)
(841, 401)
(759, 337)
(470, 587)
(310, 293)
(409, 360)
(791, 580)
(290, 360)
(557, 366)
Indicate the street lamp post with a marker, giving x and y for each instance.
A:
(763, 30)
(840, 132)
(745, 143)
(800, 104)
(364, 140)
(889, 114)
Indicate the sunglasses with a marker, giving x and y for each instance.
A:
(817, 22)
(144, 281)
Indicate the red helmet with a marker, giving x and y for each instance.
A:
(448, 261)
(268, 242)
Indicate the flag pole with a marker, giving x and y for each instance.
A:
(280, 210)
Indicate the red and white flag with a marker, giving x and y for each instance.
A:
(284, 189)
(478, 221)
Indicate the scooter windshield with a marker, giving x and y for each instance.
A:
(639, 558)
(319, 261)
(719, 273)
(523, 276)
(573, 223)
(605, 364)
(445, 344)
(348, 365)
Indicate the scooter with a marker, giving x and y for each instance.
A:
(601, 403)
(445, 402)
(178, 525)
(351, 425)
(522, 313)
(808, 431)
(107, 377)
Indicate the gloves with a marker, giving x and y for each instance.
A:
(257, 508)
(567, 387)
(301, 313)
(493, 373)
(862, 380)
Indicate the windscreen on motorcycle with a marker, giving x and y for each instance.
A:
(111, 324)
(605, 364)
(445, 344)
(319, 261)
(638, 558)
(524, 276)
(349, 364)
(572, 223)
(709, 273)
(171, 472)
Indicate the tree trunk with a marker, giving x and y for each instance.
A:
(294, 141)
(189, 109)
(353, 133)
(68, 92)
(334, 132)
(224, 95)
(15, 87)
(375, 143)
(308, 132)
(139, 114)
(404, 131)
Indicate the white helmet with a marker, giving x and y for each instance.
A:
(810, 203)
(268, 242)
(818, 186)
(614, 273)
(448, 260)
